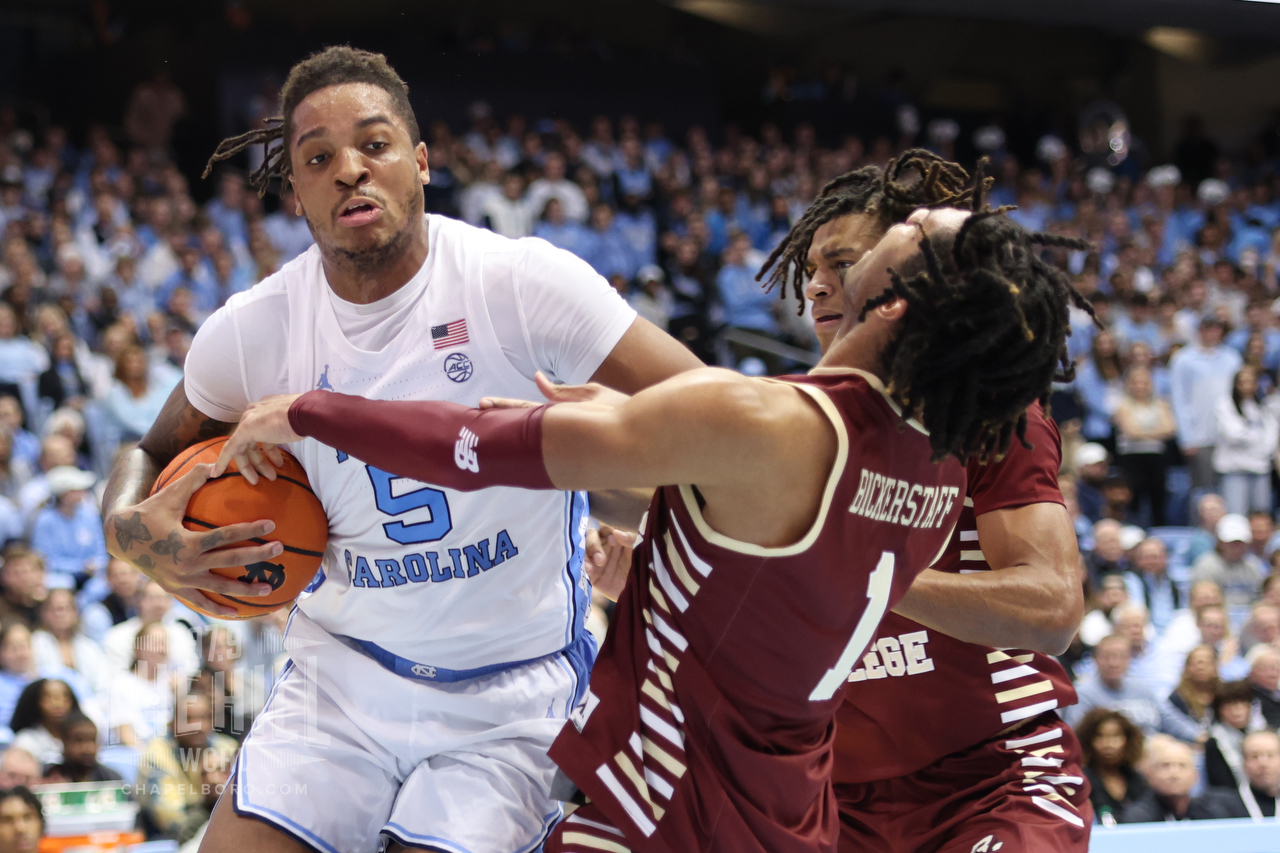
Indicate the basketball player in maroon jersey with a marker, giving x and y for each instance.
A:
(708, 725)
(1002, 772)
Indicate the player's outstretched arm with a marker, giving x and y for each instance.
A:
(1033, 600)
(710, 427)
(146, 530)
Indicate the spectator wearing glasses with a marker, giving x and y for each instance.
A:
(1170, 769)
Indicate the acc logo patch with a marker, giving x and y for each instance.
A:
(458, 367)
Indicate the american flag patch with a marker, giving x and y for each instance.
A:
(449, 335)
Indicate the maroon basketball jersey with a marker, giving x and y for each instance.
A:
(918, 695)
(708, 724)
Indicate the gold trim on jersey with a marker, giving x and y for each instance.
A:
(874, 382)
(837, 471)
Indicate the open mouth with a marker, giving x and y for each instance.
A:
(359, 212)
(823, 321)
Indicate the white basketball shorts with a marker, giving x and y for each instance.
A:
(347, 754)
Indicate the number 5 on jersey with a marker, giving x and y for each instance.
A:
(879, 585)
(424, 498)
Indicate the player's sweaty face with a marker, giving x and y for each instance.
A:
(357, 173)
(837, 245)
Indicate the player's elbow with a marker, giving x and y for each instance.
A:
(1058, 623)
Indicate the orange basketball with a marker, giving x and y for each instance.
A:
(301, 524)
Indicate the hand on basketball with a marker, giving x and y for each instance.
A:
(609, 559)
(254, 444)
(150, 535)
(591, 392)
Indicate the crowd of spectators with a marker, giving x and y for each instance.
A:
(149, 694)
(108, 266)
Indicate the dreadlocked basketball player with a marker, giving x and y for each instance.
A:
(942, 744)
(807, 507)
(441, 645)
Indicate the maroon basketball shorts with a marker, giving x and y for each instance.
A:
(1023, 792)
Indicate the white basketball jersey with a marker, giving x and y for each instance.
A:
(433, 582)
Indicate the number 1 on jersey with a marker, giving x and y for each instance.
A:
(879, 585)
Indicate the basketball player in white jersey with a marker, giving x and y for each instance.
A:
(441, 645)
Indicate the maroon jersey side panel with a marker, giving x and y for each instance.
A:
(709, 720)
(918, 694)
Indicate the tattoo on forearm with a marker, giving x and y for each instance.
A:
(170, 547)
(210, 428)
(145, 562)
(131, 530)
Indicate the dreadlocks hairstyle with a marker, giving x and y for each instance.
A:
(917, 178)
(985, 332)
(332, 66)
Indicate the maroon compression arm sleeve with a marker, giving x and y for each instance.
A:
(428, 440)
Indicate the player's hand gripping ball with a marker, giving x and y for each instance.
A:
(301, 524)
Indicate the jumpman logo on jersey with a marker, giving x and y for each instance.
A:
(323, 384)
(464, 451)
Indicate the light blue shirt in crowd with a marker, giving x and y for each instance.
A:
(135, 415)
(1239, 339)
(1135, 701)
(21, 359)
(68, 544)
(26, 447)
(289, 234)
(1099, 398)
(640, 230)
(202, 285)
(1148, 333)
(746, 304)
(11, 687)
(1156, 593)
(609, 254)
(230, 222)
(571, 236)
(1197, 378)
